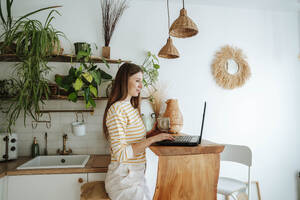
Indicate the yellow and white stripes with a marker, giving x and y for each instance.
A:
(125, 127)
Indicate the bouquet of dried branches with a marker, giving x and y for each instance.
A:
(112, 10)
(157, 97)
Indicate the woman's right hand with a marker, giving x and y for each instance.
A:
(161, 137)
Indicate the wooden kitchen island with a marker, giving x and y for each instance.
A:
(190, 173)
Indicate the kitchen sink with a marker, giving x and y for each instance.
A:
(59, 161)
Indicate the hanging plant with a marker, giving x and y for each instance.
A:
(34, 44)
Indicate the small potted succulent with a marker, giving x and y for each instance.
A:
(83, 81)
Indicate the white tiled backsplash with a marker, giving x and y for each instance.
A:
(93, 142)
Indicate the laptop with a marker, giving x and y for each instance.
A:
(186, 140)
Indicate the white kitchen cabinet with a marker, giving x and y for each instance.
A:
(46, 187)
(96, 177)
(3, 188)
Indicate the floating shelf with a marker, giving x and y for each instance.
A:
(60, 58)
(60, 97)
(76, 111)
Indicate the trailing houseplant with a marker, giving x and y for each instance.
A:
(84, 80)
(9, 23)
(112, 10)
(150, 68)
(34, 44)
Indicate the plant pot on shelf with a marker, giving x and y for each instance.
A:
(53, 89)
(81, 46)
(8, 49)
(106, 52)
(57, 51)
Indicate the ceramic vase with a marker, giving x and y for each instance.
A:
(174, 114)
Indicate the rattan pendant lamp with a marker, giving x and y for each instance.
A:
(168, 51)
(183, 26)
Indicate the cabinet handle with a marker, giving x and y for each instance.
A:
(80, 180)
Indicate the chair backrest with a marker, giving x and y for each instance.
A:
(237, 153)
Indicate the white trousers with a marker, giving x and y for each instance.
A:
(126, 182)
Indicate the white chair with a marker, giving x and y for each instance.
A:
(230, 186)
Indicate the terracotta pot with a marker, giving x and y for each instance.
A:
(173, 112)
(106, 52)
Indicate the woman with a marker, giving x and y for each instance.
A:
(124, 128)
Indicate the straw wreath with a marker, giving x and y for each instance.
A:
(219, 70)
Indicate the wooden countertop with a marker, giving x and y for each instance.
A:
(205, 147)
(99, 163)
(96, 164)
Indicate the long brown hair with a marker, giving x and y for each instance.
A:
(120, 90)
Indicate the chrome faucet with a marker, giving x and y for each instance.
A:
(64, 151)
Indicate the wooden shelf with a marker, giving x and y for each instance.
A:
(60, 97)
(60, 58)
(75, 111)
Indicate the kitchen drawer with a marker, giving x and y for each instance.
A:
(46, 187)
(96, 177)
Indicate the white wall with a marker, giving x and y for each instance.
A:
(262, 114)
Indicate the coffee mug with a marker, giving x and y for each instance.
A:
(163, 123)
(78, 128)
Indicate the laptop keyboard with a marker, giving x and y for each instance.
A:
(183, 138)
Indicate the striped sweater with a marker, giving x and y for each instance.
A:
(125, 127)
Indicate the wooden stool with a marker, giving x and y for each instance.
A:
(94, 191)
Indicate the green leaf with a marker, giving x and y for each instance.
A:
(58, 80)
(105, 75)
(156, 66)
(86, 94)
(80, 68)
(93, 90)
(81, 54)
(78, 84)
(105, 62)
(72, 72)
(96, 77)
(93, 67)
(87, 76)
(73, 97)
(92, 102)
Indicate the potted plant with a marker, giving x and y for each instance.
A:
(34, 44)
(111, 13)
(81, 46)
(83, 81)
(8, 24)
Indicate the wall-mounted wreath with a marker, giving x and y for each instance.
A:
(229, 68)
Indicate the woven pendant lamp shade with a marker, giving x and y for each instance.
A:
(183, 26)
(169, 50)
